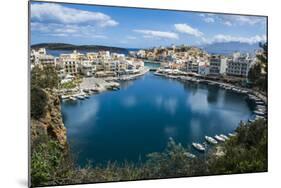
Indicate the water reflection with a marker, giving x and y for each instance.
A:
(129, 101)
(198, 103)
(87, 113)
(144, 113)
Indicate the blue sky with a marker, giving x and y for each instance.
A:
(139, 28)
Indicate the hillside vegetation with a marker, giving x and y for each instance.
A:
(64, 46)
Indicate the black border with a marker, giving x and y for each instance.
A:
(116, 6)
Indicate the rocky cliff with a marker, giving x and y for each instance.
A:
(51, 123)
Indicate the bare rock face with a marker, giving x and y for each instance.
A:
(51, 124)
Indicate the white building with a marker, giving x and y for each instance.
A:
(70, 66)
(40, 57)
(218, 65)
(141, 53)
(191, 65)
(239, 65)
(203, 68)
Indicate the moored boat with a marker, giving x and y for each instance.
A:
(259, 113)
(72, 98)
(232, 134)
(211, 140)
(189, 155)
(219, 138)
(198, 146)
(80, 97)
(224, 136)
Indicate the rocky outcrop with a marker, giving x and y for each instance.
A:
(51, 124)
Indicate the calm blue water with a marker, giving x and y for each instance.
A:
(141, 116)
(150, 64)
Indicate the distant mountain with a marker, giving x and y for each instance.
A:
(71, 47)
(227, 48)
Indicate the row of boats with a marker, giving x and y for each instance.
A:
(209, 82)
(213, 141)
(260, 111)
(85, 94)
(80, 96)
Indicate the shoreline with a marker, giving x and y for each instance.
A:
(217, 83)
(204, 143)
(93, 85)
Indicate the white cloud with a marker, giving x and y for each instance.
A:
(232, 20)
(157, 34)
(54, 13)
(187, 29)
(228, 23)
(230, 38)
(209, 20)
(170, 105)
(62, 30)
(238, 20)
(129, 101)
(131, 37)
(252, 20)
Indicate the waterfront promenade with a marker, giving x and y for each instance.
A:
(219, 83)
(102, 84)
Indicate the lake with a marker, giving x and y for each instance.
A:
(140, 117)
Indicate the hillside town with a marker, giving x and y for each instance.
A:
(195, 60)
(102, 70)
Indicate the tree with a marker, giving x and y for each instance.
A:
(45, 77)
(246, 152)
(258, 72)
(38, 101)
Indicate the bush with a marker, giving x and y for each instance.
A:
(247, 152)
(45, 77)
(38, 101)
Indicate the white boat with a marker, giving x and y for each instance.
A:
(259, 113)
(86, 96)
(218, 138)
(198, 146)
(115, 88)
(72, 98)
(64, 97)
(261, 106)
(211, 140)
(259, 103)
(232, 134)
(259, 117)
(223, 136)
(80, 97)
(189, 155)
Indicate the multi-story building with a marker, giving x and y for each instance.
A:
(109, 65)
(239, 65)
(218, 65)
(70, 66)
(40, 57)
(87, 69)
(203, 68)
(191, 65)
(92, 56)
(141, 54)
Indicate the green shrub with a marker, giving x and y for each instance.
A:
(45, 77)
(38, 101)
(247, 152)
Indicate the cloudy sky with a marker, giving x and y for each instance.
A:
(139, 28)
